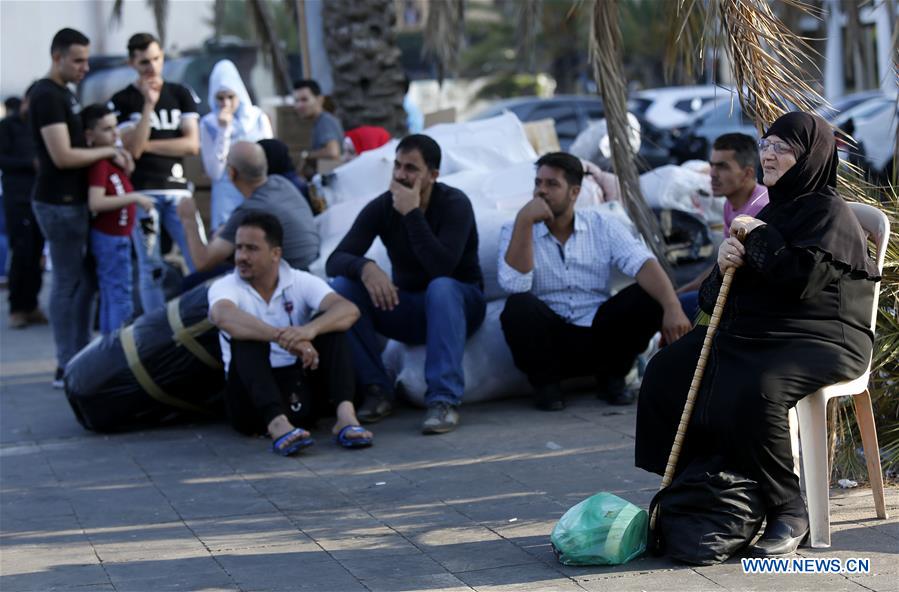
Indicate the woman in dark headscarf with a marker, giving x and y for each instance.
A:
(797, 318)
(279, 162)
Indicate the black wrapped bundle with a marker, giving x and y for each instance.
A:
(163, 366)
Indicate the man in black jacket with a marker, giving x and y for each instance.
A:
(435, 295)
(18, 163)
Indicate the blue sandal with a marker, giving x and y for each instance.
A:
(294, 446)
(342, 439)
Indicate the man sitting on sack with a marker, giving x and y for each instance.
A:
(436, 293)
(561, 319)
(284, 362)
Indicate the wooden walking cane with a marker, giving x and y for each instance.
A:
(697, 380)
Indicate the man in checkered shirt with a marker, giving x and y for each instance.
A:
(561, 320)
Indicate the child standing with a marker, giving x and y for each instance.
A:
(111, 200)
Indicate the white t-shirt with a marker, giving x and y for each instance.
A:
(298, 295)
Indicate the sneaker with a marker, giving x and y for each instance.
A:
(18, 320)
(377, 405)
(58, 379)
(548, 397)
(439, 419)
(36, 317)
(615, 392)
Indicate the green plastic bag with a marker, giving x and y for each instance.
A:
(601, 530)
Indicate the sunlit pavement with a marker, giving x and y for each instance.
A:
(199, 507)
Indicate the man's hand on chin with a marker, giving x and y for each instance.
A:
(405, 199)
(536, 210)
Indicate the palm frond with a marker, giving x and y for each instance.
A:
(160, 10)
(770, 63)
(115, 15)
(444, 34)
(270, 43)
(605, 55)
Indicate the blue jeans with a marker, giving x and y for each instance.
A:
(442, 318)
(112, 255)
(65, 228)
(225, 199)
(149, 256)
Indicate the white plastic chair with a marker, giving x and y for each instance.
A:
(812, 412)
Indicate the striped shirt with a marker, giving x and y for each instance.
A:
(574, 279)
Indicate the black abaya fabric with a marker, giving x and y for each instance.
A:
(798, 318)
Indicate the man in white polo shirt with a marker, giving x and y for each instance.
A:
(283, 359)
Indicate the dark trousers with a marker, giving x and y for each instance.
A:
(548, 349)
(256, 393)
(27, 244)
(739, 413)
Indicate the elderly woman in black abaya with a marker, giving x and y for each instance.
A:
(797, 318)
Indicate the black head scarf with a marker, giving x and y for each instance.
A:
(278, 157)
(804, 205)
(812, 141)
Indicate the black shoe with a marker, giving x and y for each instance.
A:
(615, 392)
(377, 405)
(787, 527)
(440, 419)
(549, 397)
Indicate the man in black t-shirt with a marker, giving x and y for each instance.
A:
(60, 193)
(158, 123)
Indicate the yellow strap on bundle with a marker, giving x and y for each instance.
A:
(129, 345)
(186, 336)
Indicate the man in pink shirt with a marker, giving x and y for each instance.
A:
(733, 161)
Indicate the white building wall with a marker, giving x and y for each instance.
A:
(27, 27)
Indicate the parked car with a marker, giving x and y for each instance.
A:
(722, 116)
(873, 116)
(674, 106)
(572, 114)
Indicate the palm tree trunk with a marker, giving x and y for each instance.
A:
(605, 53)
(271, 44)
(365, 62)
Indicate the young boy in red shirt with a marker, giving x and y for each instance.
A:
(112, 202)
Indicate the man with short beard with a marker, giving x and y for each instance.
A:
(561, 319)
(436, 293)
(732, 165)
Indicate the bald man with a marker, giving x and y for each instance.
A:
(273, 194)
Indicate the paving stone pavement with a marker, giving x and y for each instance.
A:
(199, 507)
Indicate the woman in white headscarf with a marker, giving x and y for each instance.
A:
(233, 118)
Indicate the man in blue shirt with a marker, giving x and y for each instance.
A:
(561, 319)
(327, 131)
